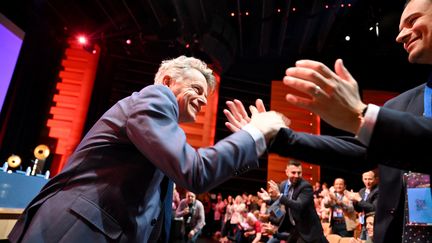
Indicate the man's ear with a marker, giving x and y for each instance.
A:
(167, 80)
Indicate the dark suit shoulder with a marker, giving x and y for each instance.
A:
(303, 184)
(408, 100)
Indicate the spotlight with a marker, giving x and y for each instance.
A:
(128, 41)
(82, 39)
(377, 29)
(347, 38)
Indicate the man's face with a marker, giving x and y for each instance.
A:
(294, 173)
(190, 197)
(369, 225)
(369, 179)
(415, 31)
(191, 93)
(339, 185)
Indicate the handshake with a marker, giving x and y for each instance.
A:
(267, 122)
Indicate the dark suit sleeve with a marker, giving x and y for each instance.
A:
(341, 152)
(304, 198)
(402, 140)
(363, 205)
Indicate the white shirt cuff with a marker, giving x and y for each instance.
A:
(258, 137)
(365, 132)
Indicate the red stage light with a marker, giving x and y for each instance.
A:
(82, 40)
(128, 41)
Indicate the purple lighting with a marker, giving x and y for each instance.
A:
(11, 38)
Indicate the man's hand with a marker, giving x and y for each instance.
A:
(191, 234)
(185, 210)
(269, 229)
(268, 122)
(274, 188)
(353, 196)
(237, 115)
(334, 96)
(264, 195)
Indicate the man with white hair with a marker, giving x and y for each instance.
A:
(117, 185)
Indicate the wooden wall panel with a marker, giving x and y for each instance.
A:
(70, 104)
(302, 121)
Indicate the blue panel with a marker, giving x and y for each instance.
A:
(17, 190)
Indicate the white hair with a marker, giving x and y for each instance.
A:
(175, 68)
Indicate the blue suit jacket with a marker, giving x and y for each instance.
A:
(400, 142)
(110, 189)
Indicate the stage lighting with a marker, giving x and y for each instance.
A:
(82, 39)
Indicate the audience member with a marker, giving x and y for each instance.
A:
(192, 212)
(343, 218)
(219, 213)
(301, 222)
(369, 218)
(366, 199)
(251, 230)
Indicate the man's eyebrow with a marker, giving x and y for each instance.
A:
(409, 18)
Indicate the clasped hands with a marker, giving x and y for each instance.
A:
(267, 122)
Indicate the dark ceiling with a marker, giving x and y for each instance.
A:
(227, 32)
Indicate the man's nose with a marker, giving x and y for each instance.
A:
(202, 100)
(402, 36)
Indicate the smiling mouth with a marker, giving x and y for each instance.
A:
(196, 108)
(409, 44)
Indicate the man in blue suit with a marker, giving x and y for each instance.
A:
(117, 185)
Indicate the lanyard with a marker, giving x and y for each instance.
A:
(427, 102)
(428, 98)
